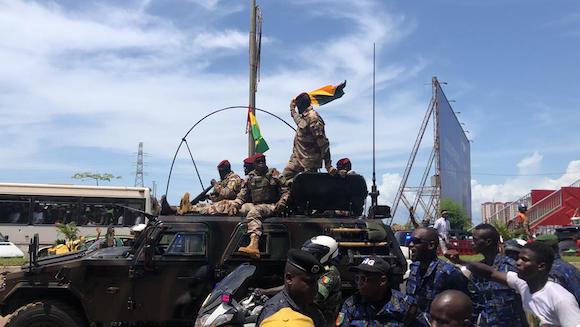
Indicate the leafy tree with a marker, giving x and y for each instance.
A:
(70, 232)
(96, 176)
(457, 216)
(504, 230)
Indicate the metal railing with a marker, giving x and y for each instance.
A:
(545, 207)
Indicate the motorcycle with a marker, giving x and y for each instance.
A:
(221, 308)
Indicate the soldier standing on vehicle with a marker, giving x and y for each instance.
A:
(311, 147)
(562, 272)
(300, 288)
(429, 275)
(262, 194)
(223, 191)
(452, 309)
(499, 304)
(375, 304)
(329, 298)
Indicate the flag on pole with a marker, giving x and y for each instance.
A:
(260, 144)
(326, 94)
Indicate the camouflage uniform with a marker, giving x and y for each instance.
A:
(567, 276)
(356, 312)
(224, 192)
(311, 146)
(499, 304)
(440, 276)
(329, 296)
(259, 196)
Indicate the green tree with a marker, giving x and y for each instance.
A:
(504, 230)
(457, 216)
(70, 232)
(96, 176)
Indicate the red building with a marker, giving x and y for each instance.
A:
(554, 207)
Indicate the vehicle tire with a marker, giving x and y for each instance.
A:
(45, 314)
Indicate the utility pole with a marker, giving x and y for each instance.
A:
(253, 74)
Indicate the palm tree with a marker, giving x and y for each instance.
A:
(70, 232)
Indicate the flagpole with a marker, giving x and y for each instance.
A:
(253, 75)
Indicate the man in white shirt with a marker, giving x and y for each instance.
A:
(549, 302)
(443, 226)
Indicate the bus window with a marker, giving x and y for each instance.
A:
(53, 211)
(14, 211)
(102, 214)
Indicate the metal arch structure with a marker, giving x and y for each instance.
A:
(183, 139)
(427, 193)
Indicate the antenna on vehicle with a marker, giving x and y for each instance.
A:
(374, 191)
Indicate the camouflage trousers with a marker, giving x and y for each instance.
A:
(255, 213)
(213, 209)
(296, 166)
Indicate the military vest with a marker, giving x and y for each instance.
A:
(264, 189)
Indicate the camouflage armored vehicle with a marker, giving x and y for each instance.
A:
(162, 278)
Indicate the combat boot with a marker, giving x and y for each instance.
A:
(253, 249)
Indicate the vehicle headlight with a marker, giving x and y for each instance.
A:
(219, 321)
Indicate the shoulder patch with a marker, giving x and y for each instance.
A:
(325, 280)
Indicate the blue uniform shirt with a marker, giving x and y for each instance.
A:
(567, 276)
(440, 276)
(498, 304)
(283, 300)
(357, 312)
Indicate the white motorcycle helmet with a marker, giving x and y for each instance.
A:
(324, 248)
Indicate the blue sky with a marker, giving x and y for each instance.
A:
(83, 82)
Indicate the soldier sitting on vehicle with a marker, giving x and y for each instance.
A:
(311, 146)
(262, 194)
(344, 167)
(223, 192)
(249, 165)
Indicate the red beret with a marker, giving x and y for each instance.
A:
(223, 163)
(259, 155)
(343, 162)
(249, 160)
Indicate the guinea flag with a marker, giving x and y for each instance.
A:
(259, 142)
(326, 94)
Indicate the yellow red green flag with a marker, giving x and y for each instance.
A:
(259, 142)
(326, 94)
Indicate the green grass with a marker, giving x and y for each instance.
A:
(12, 261)
(571, 258)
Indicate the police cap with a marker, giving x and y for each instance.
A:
(373, 264)
(304, 261)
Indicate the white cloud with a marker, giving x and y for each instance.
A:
(230, 39)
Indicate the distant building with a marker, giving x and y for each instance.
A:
(496, 210)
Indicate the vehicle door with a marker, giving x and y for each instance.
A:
(274, 245)
(173, 280)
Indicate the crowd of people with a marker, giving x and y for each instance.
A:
(537, 289)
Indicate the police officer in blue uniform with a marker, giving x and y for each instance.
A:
(429, 275)
(499, 305)
(300, 288)
(562, 272)
(375, 304)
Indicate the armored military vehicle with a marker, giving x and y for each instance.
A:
(163, 277)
